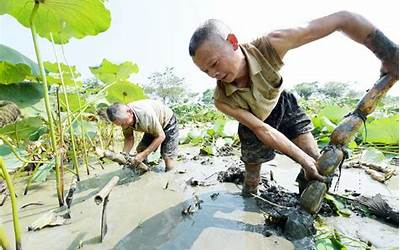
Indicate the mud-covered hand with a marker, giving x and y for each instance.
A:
(311, 173)
(140, 157)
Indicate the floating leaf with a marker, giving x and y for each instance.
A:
(208, 150)
(23, 129)
(15, 67)
(63, 18)
(109, 72)
(124, 92)
(372, 156)
(43, 171)
(337, 206)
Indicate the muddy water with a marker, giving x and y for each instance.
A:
(144, 214)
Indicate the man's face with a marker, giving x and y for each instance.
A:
(218, 60)
(125, 122)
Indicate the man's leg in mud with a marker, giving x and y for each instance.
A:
(169, 147)
(308, 144)
(169, 163)
(251, 179)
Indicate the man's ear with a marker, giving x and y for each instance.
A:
(231, 38)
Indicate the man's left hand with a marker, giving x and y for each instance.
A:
(140, 157)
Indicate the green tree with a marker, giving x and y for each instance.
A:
(306, 89)
(167, 87)
(334, 89)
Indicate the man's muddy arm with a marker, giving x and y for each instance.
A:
(158, 139)
(272, 138)
(353, 25)
(129, 140)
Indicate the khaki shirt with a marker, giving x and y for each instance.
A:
(151, 117)
(265, 86)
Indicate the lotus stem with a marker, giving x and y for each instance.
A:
(69, 121)
(59, 184)
(17, 230)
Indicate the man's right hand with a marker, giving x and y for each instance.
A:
(311, 172)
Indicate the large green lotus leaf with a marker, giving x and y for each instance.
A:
(124, 92)
(53, 75)
(27, 95)
(15, 67)
(24, 129)
(11, 161)
(334, 112)
(63, 18)
(109, 72)
(72, 101)
(385, 130)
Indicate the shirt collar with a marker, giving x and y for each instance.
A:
(254, 68)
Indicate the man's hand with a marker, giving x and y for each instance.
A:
(140, 157)
(311, 172)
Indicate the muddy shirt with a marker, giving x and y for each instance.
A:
(265, 86)
(151, 116)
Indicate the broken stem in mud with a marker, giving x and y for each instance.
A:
(269, 202)
(102, 197)
(71, 192)
(10, 186)
(105, 191)
(103, 231)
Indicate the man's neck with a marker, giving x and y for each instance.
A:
(243, 79)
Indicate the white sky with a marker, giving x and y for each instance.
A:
(155, 34)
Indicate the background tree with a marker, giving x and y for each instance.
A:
(167, 87)
(334, 89)
(306, 89)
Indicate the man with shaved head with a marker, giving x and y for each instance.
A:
(250, 88)
(158, 123)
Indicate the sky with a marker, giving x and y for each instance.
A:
(155, 34)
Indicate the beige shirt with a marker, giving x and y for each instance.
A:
(265, 86)
(151, 116)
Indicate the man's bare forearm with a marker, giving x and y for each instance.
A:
(128, 144)
(277, 141)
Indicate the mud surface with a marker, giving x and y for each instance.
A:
(146, 212)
